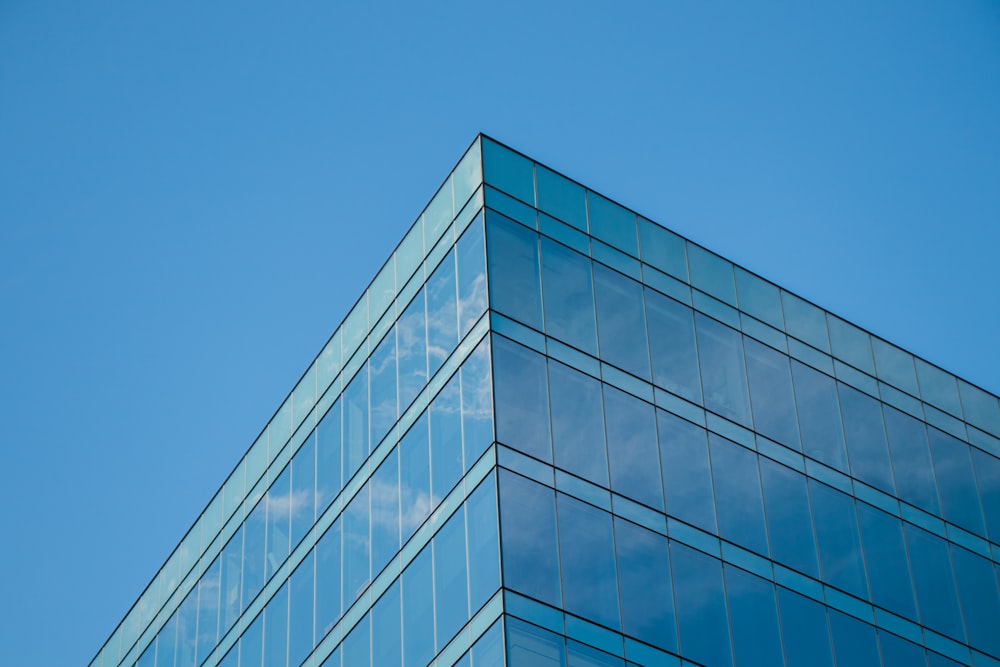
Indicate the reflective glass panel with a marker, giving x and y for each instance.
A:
(819, 416)
(328, 458)
(632, 447)
(850, 344)
(804, 631)
(208, 610)
(522, 418)
(515, 287)
(384, 385)
(509, 171)
(567, 280)
(254, 530)
(789, 523)
(895, 366)
(578, 423)
(451, 594)
(897, 652)
(385, 512)
(279, 516)
(483, 543)
(446, 439)
(701, 606)
(442, 313)
(837, 535)
(977, 590)
(411, 351)
(687, 474)
(528, 530)
(530, 646)
(911, 460)
(587, 554)
(938, 387)
(933, 581)
(759, 298)
(771, 394)
(712, 274)
(663, 249)
(356, 646)
(303, 495)
(560, 197)
(672, 346)
(805, 321)
(865, 435)
(753, 619)
(276, 629)
(471, 254)
(956, 481)
(328, 580)
(414, 478)
(621, 322)
(644, 585)
(723, 371)
(854, 642)
(300, 611)
(356, 444)
(387, 644)
(418, 611)
(888, 567)
(612, 223)
(737, 495)
(988, 478)
(357, 546)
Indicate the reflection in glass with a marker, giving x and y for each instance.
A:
(819, 416)
(911, 459)
(450, 582)
(771, 394)
(804, 631)
(483, 543)
(578, 424)
(672, 346)
(977, 590)
(687, 474)
(328, 579)
(387, 647)
(753, 618)
(418, 611)
(442, 313)
(411, 351)
(837, 535)
(528, 530)
(934, 583)
(384, 489)
(328, 458)
(300, 611)
(276, 628)
(515, 287)
(956, 481)
(621, 323)
(470, 252)
(854, 642)
(701, 606)
(357, 546)
(723, 372)
(888, 567)
(644, 584)
(522, 415)
(865, 435)
(789, 523)
(446, 439)
(632, 447)
(384, 383)
(414, 478)
(587, 555)
(737, 495)
(477, 403)
(530, 646)
(569, 296)
(988, 477)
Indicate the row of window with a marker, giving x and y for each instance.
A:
(606, 230)
(410, 482)
(551, 288)
(572, 555)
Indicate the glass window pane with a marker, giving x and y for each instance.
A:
(819, 416)
(446, 440)
(303, 496)
(977, 590)
(956, 481)
(418, 611)
(567, 280)
(329, 457)
(488, 649)
(300, 612)
(865, 435)
(279, 516)
(387, 647)
(528, 530)
(621, 324)
(888, 567)
(789, 523)
(357, 546)
(471, 253)
(450, 588)
(644, 583)
(837, 535)
(276, 629)
(850, 344)
(911, 460)
(530, 646)
(483, 543)
(804, 631)
(897, 652)
(712, 274)
(759, 298)
(252, 644)
(384, 384)
(385, 512)
(511, 172)
(938, 387)
(581, 655)
(854, 642)
(672, 346)
(663, 249)
(632, 447)
(701, 606)
(587, 550)
(208, 610)
(933, 581)
(980, 408)
(737, 495)
(328, 581)
(613, 224)
(988, 478)
(522, 415)
(895, 366)
(771, 394)
(723, 372)
(442, 313)
(253, 553)
(166, 641)
(356, 447)
(515, 287)
(687, 475)
(411, 342)
(232, 570)
(477, 403)
(414, 478)
(560, 197)
(805, 321)
(578, 423)
(356, 645)
(753, 618)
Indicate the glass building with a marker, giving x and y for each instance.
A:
(552, 432)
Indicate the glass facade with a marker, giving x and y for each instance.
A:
(553, 432)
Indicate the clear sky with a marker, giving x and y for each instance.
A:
(192, 195)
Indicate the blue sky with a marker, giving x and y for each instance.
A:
(192, 195)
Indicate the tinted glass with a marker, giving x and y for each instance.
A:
(357, 546)
(387, 644)
(414, 478)
(300, 611)
(418, 611)
(687, 474)
(483, 544)
(701, 607)
(530, 646)
(446, 440)
(328, 453)
(383, 390)
(672, 346)
(621, 322)
(569, 296)
(578, 423)
(303, 496)
(911, 460)
(411, 341)
(837, 535)
(522, 418)
(587, 554)
(866, 444)
(988, 478)
(753, 619)
(356, 445)
(515, 287)
(385, 512)
(789, 523)
(854, 642)
(737, 495)
(442, 313)
(477, 403)
(933, 581)
(804, 631)
(888, 567)
(530, 547)
(644, 584)
(712, 274)
(632, 447)
(956, 481)
(471, 254)
(328, 581)
(771, 394)
(723, 372)
(819, 416)
(451, 592)
(977, 590)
